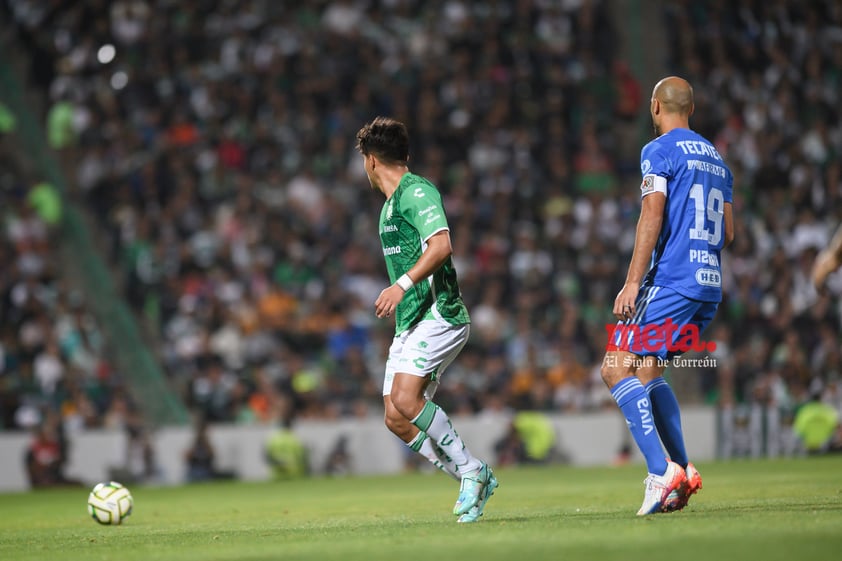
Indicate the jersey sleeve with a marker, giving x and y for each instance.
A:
(421, 206)
(656, 168)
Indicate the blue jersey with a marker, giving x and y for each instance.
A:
(690, 172)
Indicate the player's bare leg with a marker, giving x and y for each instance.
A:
(407, 398)
(417, 440)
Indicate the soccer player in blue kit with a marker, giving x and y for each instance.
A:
(673, 288)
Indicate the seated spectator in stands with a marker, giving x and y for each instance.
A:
(210, 392)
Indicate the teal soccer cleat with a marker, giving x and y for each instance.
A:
(471, 489)
(476, 511)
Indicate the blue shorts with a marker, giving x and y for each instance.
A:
(666, 324)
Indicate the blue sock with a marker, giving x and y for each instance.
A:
(634, 403)
(667, 419)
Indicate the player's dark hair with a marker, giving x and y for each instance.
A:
(386, 138)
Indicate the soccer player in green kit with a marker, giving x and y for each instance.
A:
(431, 321)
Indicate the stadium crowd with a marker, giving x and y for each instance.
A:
(54, 376)
(214, 140)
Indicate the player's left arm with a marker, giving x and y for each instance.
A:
(648, 230)
(439, 248)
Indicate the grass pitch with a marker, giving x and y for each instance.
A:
(764, 510)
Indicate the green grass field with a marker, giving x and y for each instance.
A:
(765, 510)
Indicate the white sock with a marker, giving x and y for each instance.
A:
(435, 422)
(424, 446)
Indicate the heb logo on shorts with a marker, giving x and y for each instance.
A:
(653, 337)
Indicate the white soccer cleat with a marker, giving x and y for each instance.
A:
(658, 488)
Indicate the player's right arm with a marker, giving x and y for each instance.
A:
(648, 230)
(656, 167)
(438, 251)
(728, 211)
(422, 207)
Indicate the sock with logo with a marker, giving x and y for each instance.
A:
(423, 444)
(667, 419)
(435, 422)
(633, 401)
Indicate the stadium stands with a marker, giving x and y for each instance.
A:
(216, 148)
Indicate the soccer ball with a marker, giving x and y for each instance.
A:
(110, 503)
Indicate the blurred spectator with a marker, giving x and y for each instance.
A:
(8, 121)
(287, 456)
(140, 465)
(531, 438)
(339, 459)
(212, 391)
(46, 455)
(817, 426)
(510, 449)
(60, 130)
(201, 457)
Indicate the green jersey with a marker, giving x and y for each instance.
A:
(409, 218)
